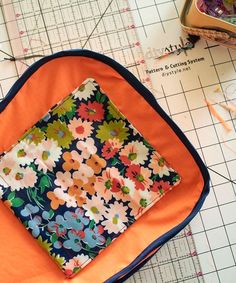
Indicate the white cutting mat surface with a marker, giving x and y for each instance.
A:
(181, 83)
(180, 87)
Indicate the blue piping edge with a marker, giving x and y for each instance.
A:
(135, 269)
(147, 95)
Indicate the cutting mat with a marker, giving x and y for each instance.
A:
(45, 27)
(135, 33)
(182, 82)
(106, 27)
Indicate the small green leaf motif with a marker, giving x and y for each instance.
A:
(87, 247)
(102, 99)
(98, 96)
(92, 255)
(115, 161)
(54, 238)
(176, 178)
(91, 224)
(17, 202)
(147, 144)
(109, 117)
(62, 118)
(44, 183)
(11, 196)
(44, 129)
(153, 178)
(51, 213)
(34, 193)
(76, 269)
(32, 165)
(108, 241)
(71, 114)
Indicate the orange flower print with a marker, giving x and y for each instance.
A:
(96, 163)
(75, 188)
(89, 187)
(77, 192)
(81, 199)
(72, 160)
(55, 200)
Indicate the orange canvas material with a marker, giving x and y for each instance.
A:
(22, 260)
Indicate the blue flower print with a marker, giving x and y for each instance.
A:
(74, 241)
(93, 237)
(76, 220)
(59, 226)
(29, 210)
(34, 225)
(35, 222)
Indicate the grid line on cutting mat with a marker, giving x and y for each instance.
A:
(170, 268)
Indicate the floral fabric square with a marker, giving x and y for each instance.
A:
(81, 176)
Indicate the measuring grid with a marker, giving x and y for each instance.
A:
(68, 26)
(214, 228)
(176, 261)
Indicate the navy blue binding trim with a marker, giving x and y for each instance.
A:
(135, 265)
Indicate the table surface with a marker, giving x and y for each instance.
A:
(180, 84)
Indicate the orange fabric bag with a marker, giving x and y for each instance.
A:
(41, 87)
